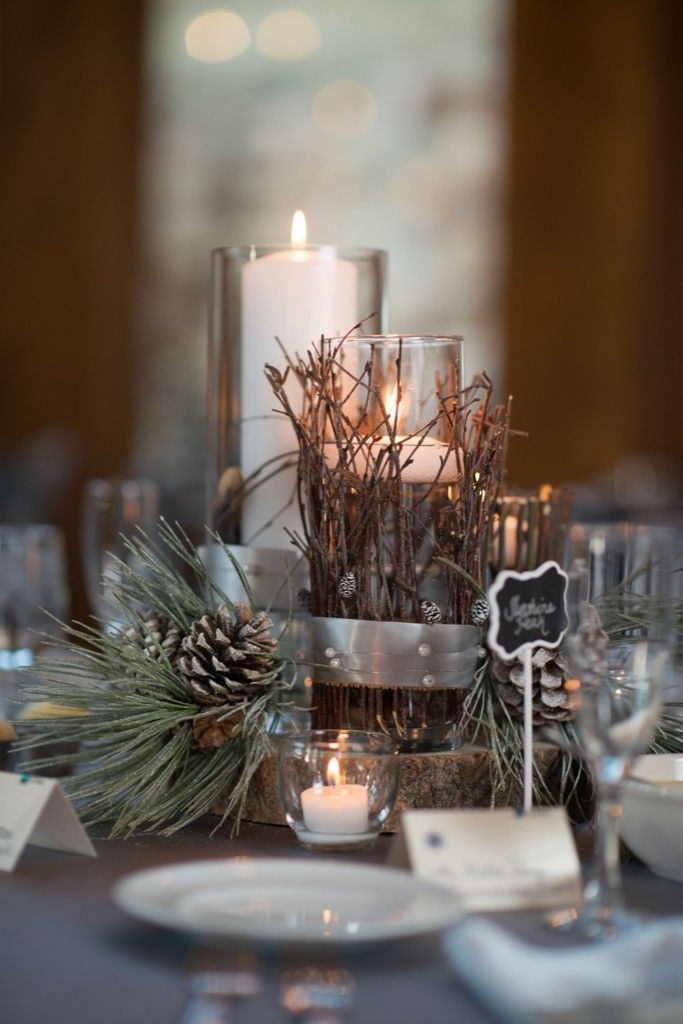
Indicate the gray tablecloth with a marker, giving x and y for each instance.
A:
(69, 956)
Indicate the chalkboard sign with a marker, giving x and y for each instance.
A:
(528, 609)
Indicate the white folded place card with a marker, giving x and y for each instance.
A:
(35, 810)
(494, 860)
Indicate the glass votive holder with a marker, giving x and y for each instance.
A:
(337, 787)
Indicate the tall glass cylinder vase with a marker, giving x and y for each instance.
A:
(269, 303)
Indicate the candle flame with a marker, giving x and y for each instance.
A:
(394, 405)
(333, 772)
(299, 231)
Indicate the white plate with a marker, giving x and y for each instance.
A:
(285, 901)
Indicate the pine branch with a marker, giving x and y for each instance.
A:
(136, 762)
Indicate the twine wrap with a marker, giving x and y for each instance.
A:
(394, 654)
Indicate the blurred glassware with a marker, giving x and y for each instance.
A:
(619, 644)
(112, 509)
(33, 587)
(636, 487)
(529, 527)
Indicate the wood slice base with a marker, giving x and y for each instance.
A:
(450, 779)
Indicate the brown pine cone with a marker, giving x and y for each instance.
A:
(159, 635)
(228, 657)
(212, 731)
(551, 700)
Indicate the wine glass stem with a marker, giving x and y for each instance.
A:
(604, 890)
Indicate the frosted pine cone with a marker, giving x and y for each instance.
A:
(159, 636)
(480, 612)
(347, 585)
(431, 612)
(551, 700)
(228, 657)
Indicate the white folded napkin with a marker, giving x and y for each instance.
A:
(637, 979)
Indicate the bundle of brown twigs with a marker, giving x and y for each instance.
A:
(374, 539)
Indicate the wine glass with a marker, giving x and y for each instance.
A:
(112, 509)
(619, 644)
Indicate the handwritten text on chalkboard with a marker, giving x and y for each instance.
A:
(528, 609)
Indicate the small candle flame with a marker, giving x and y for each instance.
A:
(333, 772)
(395, 406)
(299, 231)
(390, 402)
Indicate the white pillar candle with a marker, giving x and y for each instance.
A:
(335, 809)
(295, 295)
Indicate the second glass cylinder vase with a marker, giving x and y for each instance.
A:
(398, 470)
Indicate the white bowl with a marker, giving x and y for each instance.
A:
(652, 824)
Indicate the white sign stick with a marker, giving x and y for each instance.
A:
(527, 654)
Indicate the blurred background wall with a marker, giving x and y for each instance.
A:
(594, 310)
(521, 160)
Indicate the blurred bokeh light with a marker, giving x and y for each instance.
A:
(287, 35)
(216, 36)
(344, 108)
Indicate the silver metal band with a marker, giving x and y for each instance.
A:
(404, 654)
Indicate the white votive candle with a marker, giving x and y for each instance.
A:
(335, 809)
(422, 461)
